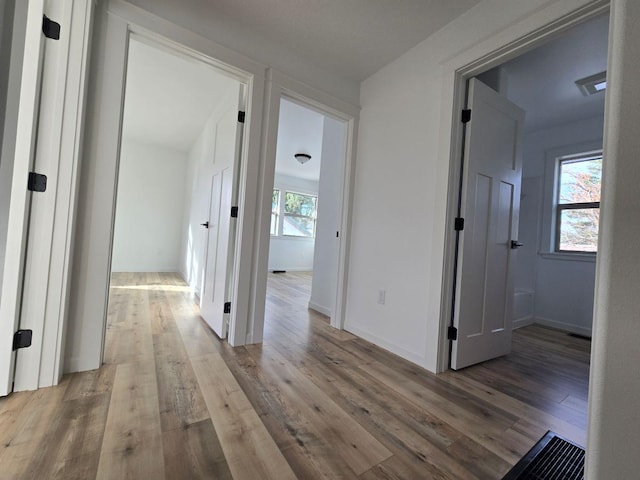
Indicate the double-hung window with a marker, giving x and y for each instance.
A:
(293, 214)
(578, 203)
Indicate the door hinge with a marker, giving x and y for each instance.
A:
(458, 224)
(227, 307)
(241, 116)
(37, 182)
(452, 333)
(466, 115)
(50, 28)
(22, 339)
(234, 212)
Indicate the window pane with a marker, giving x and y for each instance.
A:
(274, 200)
(298, 226)
(299, 204)
(580, 181)
(274, 224)
(579, 229)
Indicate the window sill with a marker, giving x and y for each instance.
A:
(573, 257)
(291, 237)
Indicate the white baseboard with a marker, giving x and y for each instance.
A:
(390, 347)
(523, 321)
(320, 309)
(75, 364)
(567, 327)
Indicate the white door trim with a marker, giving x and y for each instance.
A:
(278, 86)
(457, 72)
(58, 156)
(115, 23)
(19, 143)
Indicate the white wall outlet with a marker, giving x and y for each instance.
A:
(382, 294)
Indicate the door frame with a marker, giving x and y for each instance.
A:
(158, 41)
(460, 72)
(282, 86)
(116, 21)
(19, 142)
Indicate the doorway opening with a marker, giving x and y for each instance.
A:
(528, 247)
(306, 215)
(178, 173)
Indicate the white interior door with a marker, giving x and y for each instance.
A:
(490, 207)
(220, 244)
(18, 146)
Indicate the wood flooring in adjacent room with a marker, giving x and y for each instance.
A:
(174, 402)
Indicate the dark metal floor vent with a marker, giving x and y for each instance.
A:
(552, 458)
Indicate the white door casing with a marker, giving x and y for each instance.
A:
(20, 134)
(490, 206)
(220, 244)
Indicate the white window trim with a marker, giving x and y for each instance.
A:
(550, 200)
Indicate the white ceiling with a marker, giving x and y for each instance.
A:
(542, 81)
(299, 131)
(168, 97)
(354, 38)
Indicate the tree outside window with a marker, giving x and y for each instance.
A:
(299, 215)
(578, 207)
(293, 214)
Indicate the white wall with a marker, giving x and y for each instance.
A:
(149, 209)
(402, 175)
(614, 424)
(292, 253)
(563, 285)
(325, 260)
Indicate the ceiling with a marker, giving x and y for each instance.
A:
(299, 131)
(542, 81)
(169, 97)
(354, 38)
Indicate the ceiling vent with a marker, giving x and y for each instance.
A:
(593, 84)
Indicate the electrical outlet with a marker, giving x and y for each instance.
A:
(382, 296)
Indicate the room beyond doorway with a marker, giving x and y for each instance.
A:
(178, 174)
(550, 273)
(306, 205)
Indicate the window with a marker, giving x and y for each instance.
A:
(275, 211)
(293, 214)
(578, 203)
(299, 215)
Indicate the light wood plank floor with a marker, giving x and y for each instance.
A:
(174, 402)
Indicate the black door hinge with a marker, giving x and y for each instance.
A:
(227, 307)
(452, 333)
(466, 115)
(37, 182)
(458, 224)
(234, 212)
(50, 28)
(241, 116)
(22, 339)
